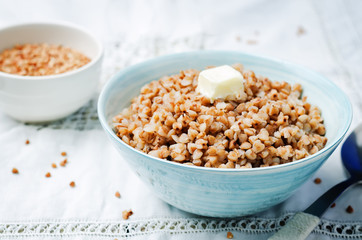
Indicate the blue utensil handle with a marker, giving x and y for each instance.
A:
(303, 223)
(323, 202)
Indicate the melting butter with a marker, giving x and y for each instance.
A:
(220, 82)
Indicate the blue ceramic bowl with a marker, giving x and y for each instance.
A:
(224, 192)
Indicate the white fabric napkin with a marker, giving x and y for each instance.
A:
(321, 35)
(30, 199)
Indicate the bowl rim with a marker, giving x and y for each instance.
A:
(101, 111)
(58, 24)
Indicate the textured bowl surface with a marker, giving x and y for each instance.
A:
(46, 98)
(224, 192)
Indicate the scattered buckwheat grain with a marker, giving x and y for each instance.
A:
(72, 184)
(15, 171)
(229, 235)
(317, 181)
(251, 42)
(126, 214)
(349, 209)
(27, 141)
(63, 154)
(54, 165)
(301, 31)
(118, 195)
(48, 175)
(63, 163)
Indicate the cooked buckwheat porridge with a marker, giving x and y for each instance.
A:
(269, 123)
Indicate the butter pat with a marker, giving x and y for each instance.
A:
(220, 82)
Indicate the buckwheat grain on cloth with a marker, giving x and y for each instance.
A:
(322, 35)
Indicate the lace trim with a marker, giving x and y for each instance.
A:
(129, 228)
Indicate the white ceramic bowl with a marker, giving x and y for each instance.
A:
(47, 98)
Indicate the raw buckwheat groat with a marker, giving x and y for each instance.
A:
(40, 60)
(268, 124)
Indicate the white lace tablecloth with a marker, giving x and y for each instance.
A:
(325, 36)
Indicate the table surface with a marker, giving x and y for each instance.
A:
(325, 36)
